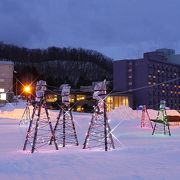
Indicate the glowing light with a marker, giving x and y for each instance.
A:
(80, 97)
(51, 98)
(72, 100)
(27, 89)
(80, 109)
(2, 96)
(1, 90)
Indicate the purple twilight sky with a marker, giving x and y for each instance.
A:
(117, 28)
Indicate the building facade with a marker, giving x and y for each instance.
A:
(153, 78)
(115, 100)
(82, 100)
(6, 76)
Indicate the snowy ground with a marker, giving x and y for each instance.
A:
(138, 155)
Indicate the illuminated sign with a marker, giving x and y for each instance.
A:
(1, 90)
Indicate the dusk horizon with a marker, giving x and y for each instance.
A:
(118, 29)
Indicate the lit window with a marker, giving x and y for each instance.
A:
(124, 101)
(109, 103)
(109, 99)
(51, 98)
(1, 90)
(80, 109)
(80, 97)
(2, 96)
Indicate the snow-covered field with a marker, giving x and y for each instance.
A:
(138, 154)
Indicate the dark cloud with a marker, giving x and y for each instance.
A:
(118, 28)
(18, 26)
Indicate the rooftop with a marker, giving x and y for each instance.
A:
(6, 62)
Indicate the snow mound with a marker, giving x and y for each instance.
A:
(172, 113)
(123, 113)
(13, 110)
(153, 113)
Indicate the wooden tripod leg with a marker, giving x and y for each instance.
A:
(154, 128)
(36, 129)
(56, 125)
(29, 129)
(51, 128)
(88, 133)
(74, 130)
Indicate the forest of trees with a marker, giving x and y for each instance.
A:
(58, 65)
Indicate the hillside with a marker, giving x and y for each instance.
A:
(58, 65)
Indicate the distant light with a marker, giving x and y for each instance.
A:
(1, 90)
(80, 109)
(3, 96)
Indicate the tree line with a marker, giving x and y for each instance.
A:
(56, 65)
